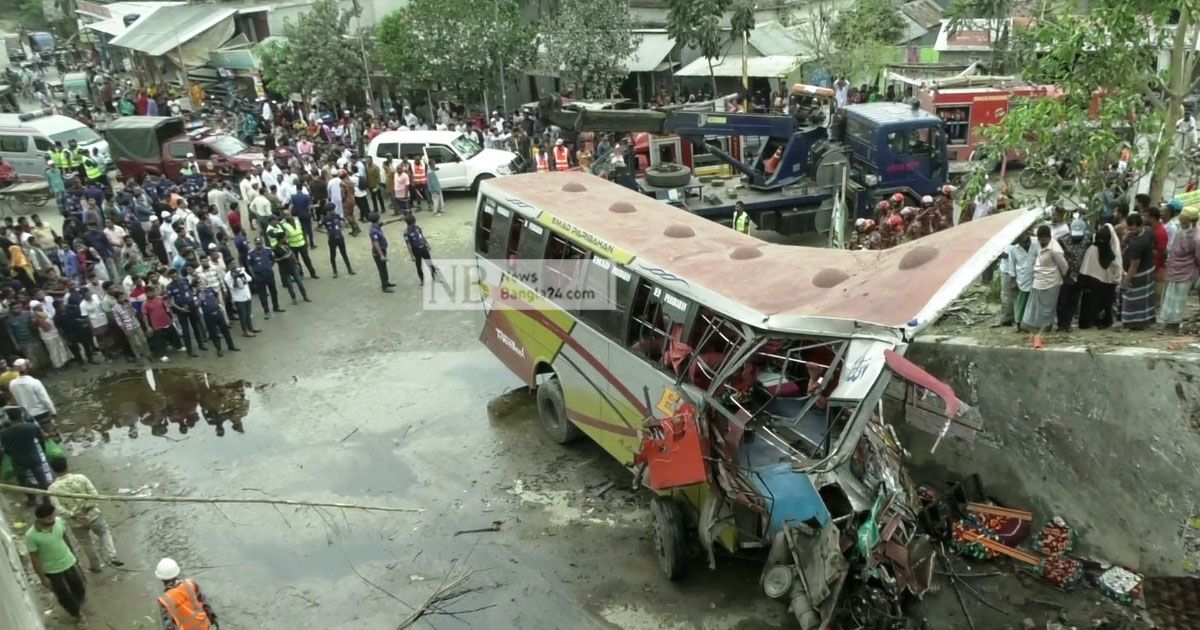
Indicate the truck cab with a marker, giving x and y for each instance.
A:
(160, 145)
(895, 148)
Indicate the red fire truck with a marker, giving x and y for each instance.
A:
(965, 110)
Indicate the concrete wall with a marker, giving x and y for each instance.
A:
(1108, 441)
(16, 606)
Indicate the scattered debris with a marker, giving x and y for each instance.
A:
(602, 489)
(495, 527)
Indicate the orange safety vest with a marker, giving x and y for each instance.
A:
(562, 158)
(543, 163)
(419, 178)
(182, 603)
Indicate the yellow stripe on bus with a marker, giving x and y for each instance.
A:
(584, 239)
(512, 289)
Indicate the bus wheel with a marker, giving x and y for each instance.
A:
(669, 536)
(552, 411)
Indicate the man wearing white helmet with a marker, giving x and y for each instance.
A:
(182, 606)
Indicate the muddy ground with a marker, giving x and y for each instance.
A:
(362, 397)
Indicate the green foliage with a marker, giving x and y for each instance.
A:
(457, 44)
(316, 55)
(589, 41)
(31, 15)
(1106, 56)
(866, 21)
(697, 24)
(741, 22)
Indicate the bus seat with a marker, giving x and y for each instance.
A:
(677, 351)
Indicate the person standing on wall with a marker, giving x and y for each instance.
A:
(55, 563)
(84, 518)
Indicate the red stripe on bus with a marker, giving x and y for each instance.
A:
(566, 338)
(619, 429)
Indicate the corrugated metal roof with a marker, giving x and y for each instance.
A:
(770, 66)
(113, 26)
(650, 52)
(927, 13)
(772, 38)
(169, 27)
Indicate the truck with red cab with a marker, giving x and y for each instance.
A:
(161, 145)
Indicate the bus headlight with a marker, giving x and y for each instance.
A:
(777, 581)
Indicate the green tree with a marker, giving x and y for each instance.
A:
(741, 23)
(316, 55)
(589, 42)
(831, 37)
(456, 44)
(1103, 64)
(697, 24)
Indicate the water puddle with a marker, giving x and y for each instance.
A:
(164, 403)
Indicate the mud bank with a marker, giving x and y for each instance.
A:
(1109, 441)
(16, 606)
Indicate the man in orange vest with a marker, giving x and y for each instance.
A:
(182, 606)
(420, 182)
(541, 160)
(562, 156)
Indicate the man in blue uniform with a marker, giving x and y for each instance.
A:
(418, 248)
(214, 316)
(379, 246)
(183, 304)
(261, 263)
(333, 225)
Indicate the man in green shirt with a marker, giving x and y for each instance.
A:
(54, 561)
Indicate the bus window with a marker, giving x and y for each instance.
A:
(483, 225)
(608, 285)
(514, 238)
(499, 233)
(532, 245)
(563, 271)
(657, 319)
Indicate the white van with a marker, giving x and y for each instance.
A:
(461, 162)
(26, 140)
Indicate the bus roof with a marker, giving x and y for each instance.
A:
(784, 283)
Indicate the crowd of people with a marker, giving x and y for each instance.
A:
(1136, 267)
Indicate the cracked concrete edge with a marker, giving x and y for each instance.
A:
(1118, 351)
(17, 609)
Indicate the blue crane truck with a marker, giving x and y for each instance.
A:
(873, 149)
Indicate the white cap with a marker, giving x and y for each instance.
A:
(191, 155)
(167, 569)
(49, 162)
(927, 199)
(21, 362)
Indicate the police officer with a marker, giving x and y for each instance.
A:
(295, 239)
(261, 263)
(741, 220)
(92, 170)
(183, 303)
(58, 155)
(337, 238)
(274, 232)
(379, 247)
(214, 315)
(75, 159)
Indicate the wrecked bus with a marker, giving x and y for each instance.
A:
(739, 380)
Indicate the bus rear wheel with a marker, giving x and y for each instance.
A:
(670, 536)
(552, 411)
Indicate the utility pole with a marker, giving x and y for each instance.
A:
(362, 48)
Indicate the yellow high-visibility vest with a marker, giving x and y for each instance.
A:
(60, 158)
(92, 170)
(741, 223)
(74, 158)
(295, 234)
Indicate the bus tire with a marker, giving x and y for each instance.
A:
(480, 178)
(670, 536)
(668, 175)
(552, 412)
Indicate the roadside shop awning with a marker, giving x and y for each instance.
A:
(173, 27)
(770, 66)
(651, 53)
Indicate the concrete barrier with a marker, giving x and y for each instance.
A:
(16, 602)
(1109, 441)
